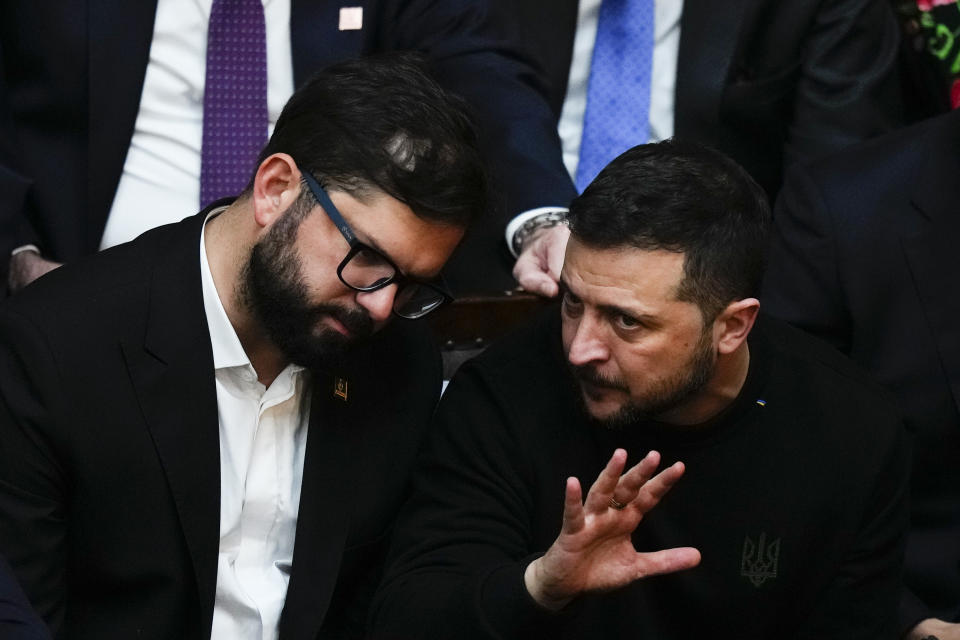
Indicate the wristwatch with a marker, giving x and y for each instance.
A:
(542, 221)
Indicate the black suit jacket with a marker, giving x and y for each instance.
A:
(865, 254)
(765, 81)
(109, 452)
(71, 74)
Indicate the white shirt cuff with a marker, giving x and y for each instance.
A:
(26, 247)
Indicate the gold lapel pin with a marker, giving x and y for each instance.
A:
(340, 389)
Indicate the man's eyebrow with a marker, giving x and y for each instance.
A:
(373, 244)
(613, 309)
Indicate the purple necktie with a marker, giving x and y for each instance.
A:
(234, 98)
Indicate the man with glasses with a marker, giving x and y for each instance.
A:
(365, 269)
(200, 434)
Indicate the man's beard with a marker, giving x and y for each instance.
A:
(273, 288)
(663, 396)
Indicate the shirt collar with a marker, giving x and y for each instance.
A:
(227, 350)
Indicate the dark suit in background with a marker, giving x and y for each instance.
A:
(108, 414)
(71, 74)
(767, 82)
(866, 253)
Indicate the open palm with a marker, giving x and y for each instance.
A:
(594, 551)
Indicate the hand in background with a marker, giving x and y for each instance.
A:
(537, 269)
(594, 551)
(27, 266)
(936, 628)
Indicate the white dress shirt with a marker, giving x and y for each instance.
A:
(666, 45)
(263, 437)
(161, 175)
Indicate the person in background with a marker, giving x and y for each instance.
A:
(118, 117)
(864, 255)
(768, 82)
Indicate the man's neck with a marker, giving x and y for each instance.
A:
(729, 376)
(228, 239)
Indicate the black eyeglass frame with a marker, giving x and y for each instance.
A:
(356, 247)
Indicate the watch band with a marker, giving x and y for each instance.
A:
(542, 221)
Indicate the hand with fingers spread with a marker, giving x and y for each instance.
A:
(594, 551)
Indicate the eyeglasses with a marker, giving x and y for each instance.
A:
(366, 269)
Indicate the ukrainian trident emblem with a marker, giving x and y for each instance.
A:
(759, 561)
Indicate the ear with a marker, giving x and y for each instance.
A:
(275, 187)
(733, 325)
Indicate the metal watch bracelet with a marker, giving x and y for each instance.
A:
(542, 221)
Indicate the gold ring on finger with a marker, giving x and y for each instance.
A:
(619, 506)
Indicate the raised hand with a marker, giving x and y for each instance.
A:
(935, 628)
(25, 267)
(594, 551)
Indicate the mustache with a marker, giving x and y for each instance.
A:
(589, 374)
(356, 321)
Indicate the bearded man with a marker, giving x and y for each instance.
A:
(789, 519)
(200, 436)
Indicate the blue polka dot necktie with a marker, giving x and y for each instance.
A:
(234, 98)
(618, 91)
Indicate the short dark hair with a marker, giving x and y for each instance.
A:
(383, 123)
(683, 197)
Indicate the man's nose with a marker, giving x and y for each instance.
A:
(588, 343)
(379, 303)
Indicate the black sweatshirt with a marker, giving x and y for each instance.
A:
(796, 497)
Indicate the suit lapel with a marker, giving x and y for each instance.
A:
(932, 252)
(172, 372)
(326, 500)
(119, 37)
(709, 33)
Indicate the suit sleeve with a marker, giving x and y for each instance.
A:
(463, 541)
(802, 283)
(477, 53)
(14, 229)
(32, 487)
(848, 89)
